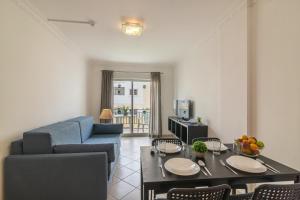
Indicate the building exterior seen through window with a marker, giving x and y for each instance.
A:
(132, 105)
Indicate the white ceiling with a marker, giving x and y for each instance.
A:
(172, 27)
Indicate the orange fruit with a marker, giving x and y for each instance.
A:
(252, 140)
(245, 137)
(253, 147)
(246, 151)
(245, 142)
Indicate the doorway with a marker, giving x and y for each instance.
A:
(131, 106)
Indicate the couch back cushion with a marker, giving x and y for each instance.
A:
(86, 126)
(41, 140)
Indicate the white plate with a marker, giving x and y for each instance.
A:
(182, 166)
(168, 148)
(246, 164)
(211, 147)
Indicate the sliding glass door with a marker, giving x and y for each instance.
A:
(122, 104)
(141, 106)
(132, 106)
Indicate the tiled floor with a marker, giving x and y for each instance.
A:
(125, 184)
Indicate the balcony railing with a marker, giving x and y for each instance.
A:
(140, 120)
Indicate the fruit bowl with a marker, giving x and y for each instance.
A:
(249, 146)
(249, 155)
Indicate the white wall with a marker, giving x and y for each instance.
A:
(166, 81)
(214, 76)
(41, 79)
(274, 63)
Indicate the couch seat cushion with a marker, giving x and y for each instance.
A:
(103, 139)
(106, 139)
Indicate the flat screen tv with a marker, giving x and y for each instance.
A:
(184, 109)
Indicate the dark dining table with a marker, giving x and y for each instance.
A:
(152, 181)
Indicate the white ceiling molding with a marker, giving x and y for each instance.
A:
(32, 11)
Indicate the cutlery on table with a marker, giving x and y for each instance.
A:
(222, 163)
(161, 167)
(202, 164)
(268, 166)
(203, 172)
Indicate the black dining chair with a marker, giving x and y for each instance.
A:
(220, 192)
(271, 192)
(156, 141)
(233, 187)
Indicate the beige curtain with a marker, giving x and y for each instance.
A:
(155, 105)
(106, 90)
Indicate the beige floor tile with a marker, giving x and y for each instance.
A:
(124, 160)
(110, 198)
(133, 156)
(122, 172)
(120, 189)
(133, 195)
(125, 183)
(133, 179)
(114, 180)
(134, 165)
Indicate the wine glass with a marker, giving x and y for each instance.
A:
(216, 147)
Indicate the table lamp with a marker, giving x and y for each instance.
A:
(106, 115)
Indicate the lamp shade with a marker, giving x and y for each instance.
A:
(106, 114)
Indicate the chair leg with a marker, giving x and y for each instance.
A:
(233, 191)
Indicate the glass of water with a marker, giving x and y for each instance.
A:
(216, 147)
(236, 147)
(162, 148)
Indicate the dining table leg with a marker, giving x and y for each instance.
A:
(297, 180)
(142, 191)
(142, 182)
(145, 193)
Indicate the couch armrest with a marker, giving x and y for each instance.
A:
(56, 176)
(85, 148)
(37, 143)
(16, 147)
(107, 129)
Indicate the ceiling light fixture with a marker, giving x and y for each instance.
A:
(133, 28)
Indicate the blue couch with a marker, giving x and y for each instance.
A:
(72, 159)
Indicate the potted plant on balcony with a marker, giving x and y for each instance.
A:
(125, 110)
(199, 149)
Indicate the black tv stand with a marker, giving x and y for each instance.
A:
(186, 131)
